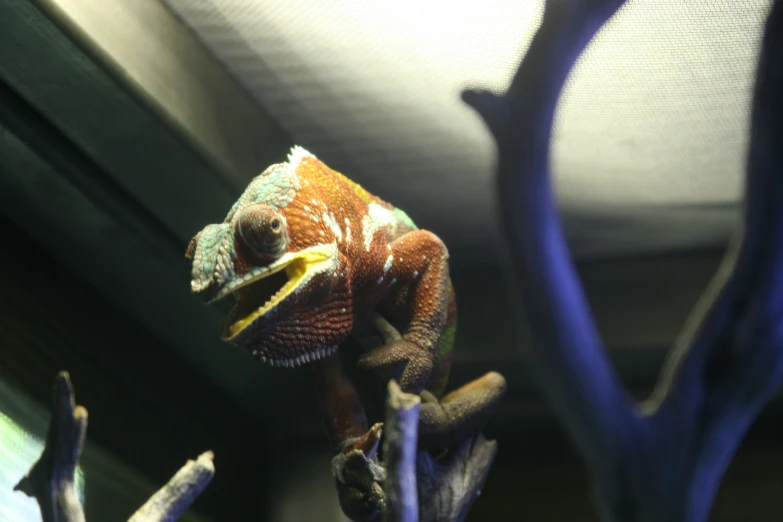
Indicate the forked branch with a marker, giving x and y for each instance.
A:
(51, 479)
(663, 461)
(575, 371)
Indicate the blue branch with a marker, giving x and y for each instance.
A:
(573, 367)
(664, 460)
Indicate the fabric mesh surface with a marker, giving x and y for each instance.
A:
(650, 136)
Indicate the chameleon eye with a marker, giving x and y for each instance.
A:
(260, 228)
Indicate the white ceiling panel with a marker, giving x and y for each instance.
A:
(655, 114)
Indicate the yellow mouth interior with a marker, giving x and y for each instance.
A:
(259, 295)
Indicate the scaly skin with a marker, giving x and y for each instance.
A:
(308, 253)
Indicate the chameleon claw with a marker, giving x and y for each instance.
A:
(367, 443)
(358, 476)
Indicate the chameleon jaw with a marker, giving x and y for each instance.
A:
(317, 355)
(254, 295)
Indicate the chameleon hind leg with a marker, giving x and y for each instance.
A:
(462, 413)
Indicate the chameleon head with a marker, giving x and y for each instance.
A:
(273, 269)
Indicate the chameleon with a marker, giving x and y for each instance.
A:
(307, 253)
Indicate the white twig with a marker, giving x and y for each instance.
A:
(401, 429)
(170, 501)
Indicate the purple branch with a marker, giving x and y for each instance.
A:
(729, 362)
(729, 356)
(664, 462)
(402, 424)
(572, 364)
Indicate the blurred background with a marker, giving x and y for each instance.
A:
(125, 127)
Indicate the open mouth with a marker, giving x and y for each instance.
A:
(264, 291)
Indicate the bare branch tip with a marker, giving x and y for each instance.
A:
(481, 100)
(80, 414)
(207, 460)
(209, 455)
(496, 379)
(25, 487)
(63, 388)
(492, 108)
(399, 400)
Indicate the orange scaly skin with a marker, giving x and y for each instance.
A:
(344, 253)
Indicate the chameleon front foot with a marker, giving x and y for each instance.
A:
(414, 362)
(445, 423)
(358, 476)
